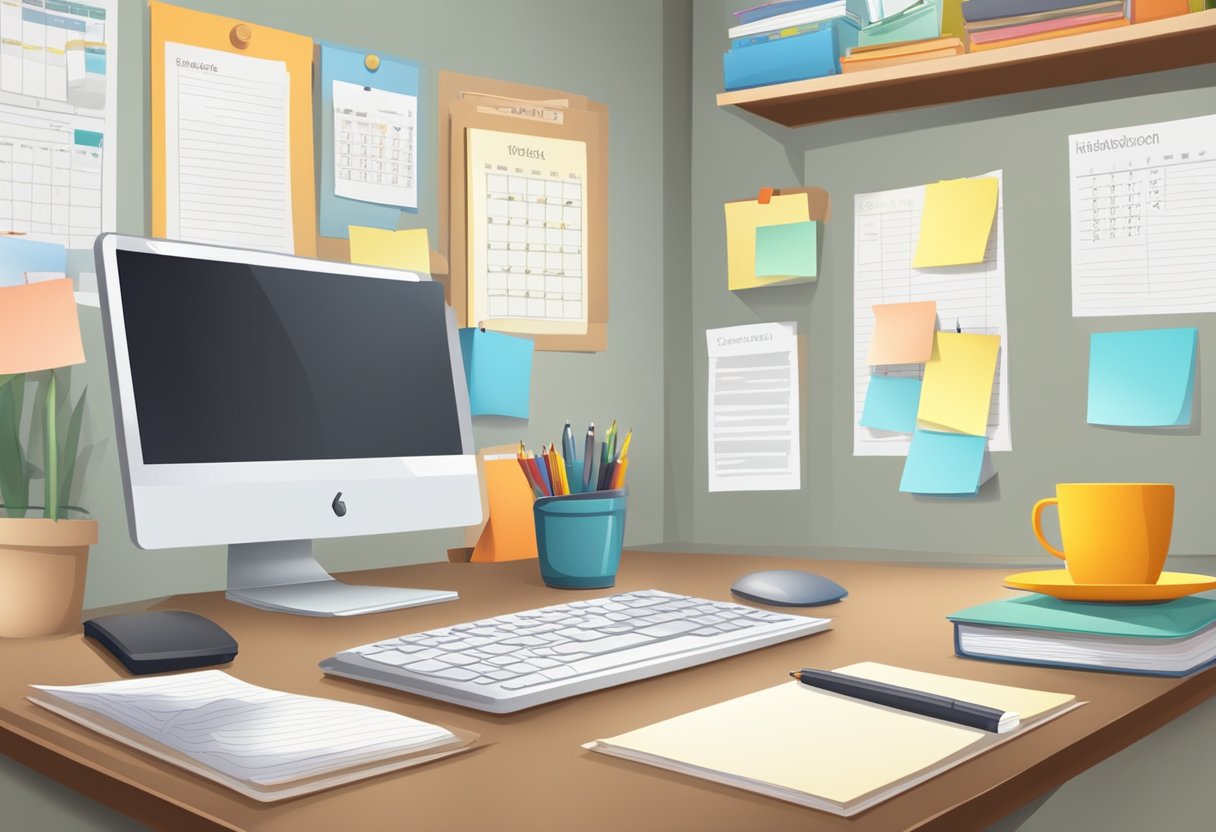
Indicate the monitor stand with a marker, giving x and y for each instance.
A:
(283, 576)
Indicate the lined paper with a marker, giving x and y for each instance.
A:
(227, 149)
(972, 297)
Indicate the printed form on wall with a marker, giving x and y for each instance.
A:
(374, 139)
(970, 298)
(58, 110)
(1144, 219)
(753, 408)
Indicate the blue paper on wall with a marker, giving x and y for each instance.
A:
(944, 463)
(1142, 378)
(498, 370)
(19, 256)
(891, 403)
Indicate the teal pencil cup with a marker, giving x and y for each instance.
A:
(579, 537)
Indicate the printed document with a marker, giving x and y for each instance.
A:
(227, 149)
(1144, 219)
(970, 298)
(374, 145)
(753, 408)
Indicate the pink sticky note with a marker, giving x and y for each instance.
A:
(39, 329)
(903, 332)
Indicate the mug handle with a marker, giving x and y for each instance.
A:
(1036, 519)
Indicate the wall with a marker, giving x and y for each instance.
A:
(504, 41)
(853, 503)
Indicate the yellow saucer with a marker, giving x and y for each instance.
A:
(1059, 584)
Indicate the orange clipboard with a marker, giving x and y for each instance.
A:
(171, 24)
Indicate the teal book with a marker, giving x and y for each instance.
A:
(1174, 638)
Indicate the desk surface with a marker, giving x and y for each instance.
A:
(532, 773)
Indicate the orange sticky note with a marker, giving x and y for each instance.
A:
(510, 533)
(903, 332)
(39, 329)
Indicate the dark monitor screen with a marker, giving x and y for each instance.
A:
(239, 363)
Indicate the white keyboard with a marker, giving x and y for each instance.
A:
(523, 659)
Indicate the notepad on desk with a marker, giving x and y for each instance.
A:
(265, 744)
(829, 751)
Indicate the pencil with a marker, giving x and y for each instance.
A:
(625, 445)
(618, 473)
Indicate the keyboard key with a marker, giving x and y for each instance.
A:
(603, 645)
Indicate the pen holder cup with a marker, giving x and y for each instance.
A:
(574, 475)
(579, 537)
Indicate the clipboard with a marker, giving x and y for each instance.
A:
(471, 102)
(366, 69)
(171, 24)
(773, 206)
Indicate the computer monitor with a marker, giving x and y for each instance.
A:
(262, 401)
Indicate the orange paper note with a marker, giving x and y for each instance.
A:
(39, 329)
(903, 332)
(510, 532)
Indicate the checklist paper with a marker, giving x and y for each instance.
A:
(227, 149)
(753, 408)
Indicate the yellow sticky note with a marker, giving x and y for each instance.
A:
(39, 329)
(742, 219)
(957, 388)
(408, 249)
(956, 222)
(903, 332)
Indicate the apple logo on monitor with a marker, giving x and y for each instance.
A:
(338, 505)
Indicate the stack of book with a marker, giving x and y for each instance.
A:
(992, 24)
(789, 40)
(905, 52)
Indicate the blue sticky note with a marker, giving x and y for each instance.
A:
(943, 463)
(19, 255)
(891, 403)
(1142, 378)
(498, 371)
(787, 250)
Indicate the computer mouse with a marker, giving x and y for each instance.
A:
(788, 588)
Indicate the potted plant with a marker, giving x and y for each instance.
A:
(43, 550)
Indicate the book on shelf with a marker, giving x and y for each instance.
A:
(979, 10)
(1175, 638)
(775, 8)
(919, 21)
(266, 744)
(872, 57)
(852, 10)
(827, 750)
(810, 55)
(1112, 23)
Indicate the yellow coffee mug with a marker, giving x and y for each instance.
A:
(1113, 532)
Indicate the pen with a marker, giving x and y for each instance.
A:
(912, 701)
(568, 451)
(588, 457)
(606, 455)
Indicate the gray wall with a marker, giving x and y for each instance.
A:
(849, 502)
(480, 38)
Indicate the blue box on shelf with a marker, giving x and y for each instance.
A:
(810, 55)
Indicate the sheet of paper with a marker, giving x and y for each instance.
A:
(753, 408)
(1142, 378)
(227, 149)
(945, 464)
(957, 391)
(20, 256)
(527, 239)
(498, 371)
(742, 220)
(903, 332)
(375, 136)
(891, 403)
(408, 249)
(956, 222)
(1143, 205)
(39, 329)
(970, 297)
(58, 117)
(787, 250)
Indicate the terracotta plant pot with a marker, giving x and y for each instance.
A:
(42, 569)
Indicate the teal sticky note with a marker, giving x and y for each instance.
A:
(891, 403)
(943, 463)
(498, 371)
(19, 255)
(1142, 378)
(787, 250)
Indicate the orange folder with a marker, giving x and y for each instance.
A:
(509, 533)
(39, 329)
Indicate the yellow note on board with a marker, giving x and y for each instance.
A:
(956, 222)
(742, 218)
(957, 387)
(408, 249)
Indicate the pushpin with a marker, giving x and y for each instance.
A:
(240, 35)
(765, 195)
(372, 62)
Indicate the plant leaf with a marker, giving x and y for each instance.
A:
(5, 379)
(50, 461)
(14, 478)
(71, 443)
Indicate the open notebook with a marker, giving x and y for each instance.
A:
(825, 750)
(263, 743)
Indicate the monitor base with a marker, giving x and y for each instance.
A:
(283, 576)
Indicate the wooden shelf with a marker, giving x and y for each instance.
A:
(1175, 42)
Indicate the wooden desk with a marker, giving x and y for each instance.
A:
(532, 773)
